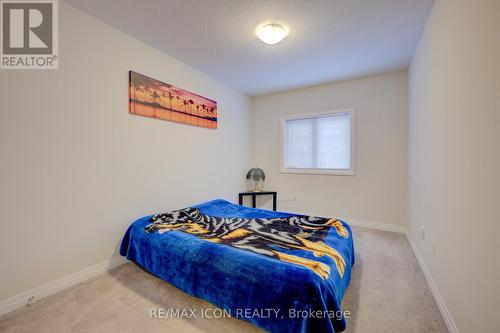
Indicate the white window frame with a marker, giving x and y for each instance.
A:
(338, 172)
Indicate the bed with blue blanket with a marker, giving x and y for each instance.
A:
(282, 272)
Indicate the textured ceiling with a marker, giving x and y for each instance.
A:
(329, 40)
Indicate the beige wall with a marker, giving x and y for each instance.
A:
(77, 168)
(377, 192)
(454, 149)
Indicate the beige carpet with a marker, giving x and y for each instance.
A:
(387, 293)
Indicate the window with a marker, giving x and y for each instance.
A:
(319, 143)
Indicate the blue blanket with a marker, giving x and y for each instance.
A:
(276, 295)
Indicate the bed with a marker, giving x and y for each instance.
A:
(280, 271)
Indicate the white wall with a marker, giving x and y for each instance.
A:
(454, 149)
(77, 168)
(377, 193)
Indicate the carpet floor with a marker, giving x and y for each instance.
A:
(388, 293)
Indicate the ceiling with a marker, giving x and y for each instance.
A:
(329, 40)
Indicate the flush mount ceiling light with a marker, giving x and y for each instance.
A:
(271, 33)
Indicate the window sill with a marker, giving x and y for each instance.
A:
(330, 172)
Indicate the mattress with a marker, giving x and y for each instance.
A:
(275, 294)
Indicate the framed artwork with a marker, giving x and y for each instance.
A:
(155, 99)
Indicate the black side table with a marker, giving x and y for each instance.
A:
(254, 197)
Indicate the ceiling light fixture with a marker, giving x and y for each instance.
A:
(271, 33)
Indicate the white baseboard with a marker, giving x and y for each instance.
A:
(445, 313)
(375, 225)
(448, 319)
(53, 287)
